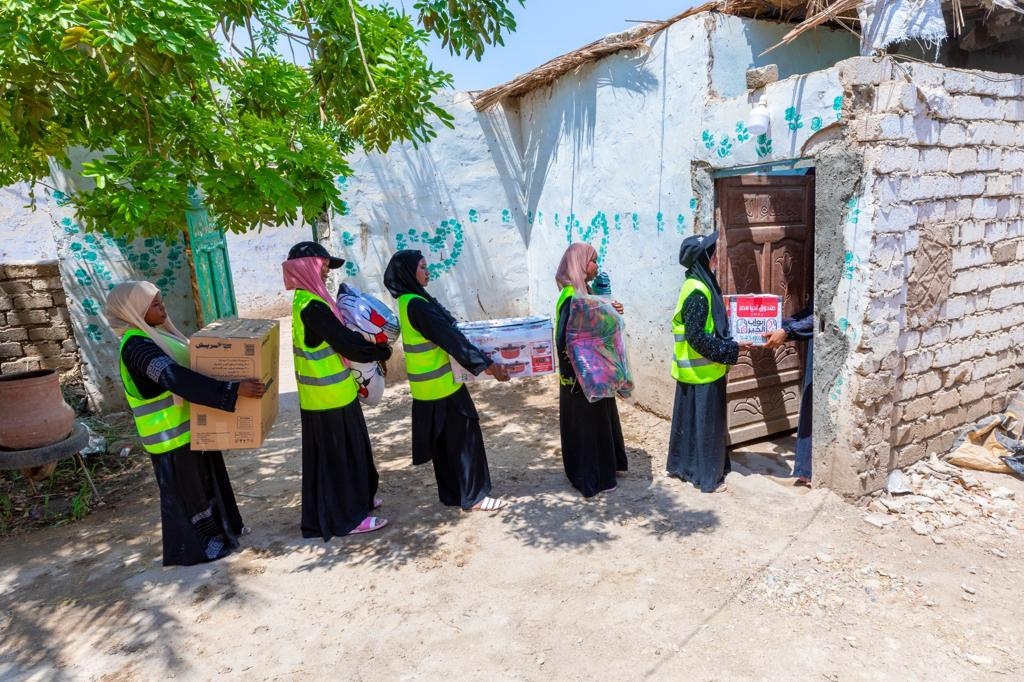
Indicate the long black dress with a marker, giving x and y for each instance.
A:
(339, 479)
(592, 445)
(198, 515)
(447, 431)
(696, 446)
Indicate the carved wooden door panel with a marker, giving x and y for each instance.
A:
(766, 246)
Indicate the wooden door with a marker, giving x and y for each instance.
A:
(212, 287)
(766, 245)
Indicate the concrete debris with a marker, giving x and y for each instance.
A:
(897, 483)
(984, 661)
(932, 495)
(878, 520)
(814, 587)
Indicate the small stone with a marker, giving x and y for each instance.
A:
(929, 602)
(979, 660)
(892, 504)
(1002, 493)
(762, 76)
(878, 506)
(921, 528)
(878, 520)
(1004, 507)
(823, 558)
(938, 540)
(968, 589)
(540, 660)
(998, 552)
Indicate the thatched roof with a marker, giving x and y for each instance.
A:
(804, 14)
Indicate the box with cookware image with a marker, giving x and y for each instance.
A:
(524, 345)
(229, 350)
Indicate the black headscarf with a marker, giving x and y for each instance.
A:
(400, 278)
(695, 255)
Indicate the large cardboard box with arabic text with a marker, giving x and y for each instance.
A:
(229, 350)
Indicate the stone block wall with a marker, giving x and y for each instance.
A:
(937, 266)
(36, 330)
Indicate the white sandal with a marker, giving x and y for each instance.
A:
(489, 504)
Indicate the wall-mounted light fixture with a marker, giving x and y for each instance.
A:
(759, 120)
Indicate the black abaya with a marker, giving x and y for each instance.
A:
(339, 479)
(697, 441)
(199, 518)
(696, 444)
(447, 431)
(592, 445)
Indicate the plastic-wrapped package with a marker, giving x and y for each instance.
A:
(596, 345)
(377, 323)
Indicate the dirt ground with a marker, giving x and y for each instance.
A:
(654, 580)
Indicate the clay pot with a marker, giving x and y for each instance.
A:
(32, 410)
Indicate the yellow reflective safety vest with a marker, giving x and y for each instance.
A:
(162, 425)
(428, 365)
(322, 379)
(688, 365)
(566, 293)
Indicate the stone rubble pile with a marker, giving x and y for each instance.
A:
(824, 584)
(945, 500)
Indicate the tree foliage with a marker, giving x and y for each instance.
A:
(256, 103)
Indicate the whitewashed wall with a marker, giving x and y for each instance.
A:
(25, 234)
(617, 144)
(458, 200)
(90, 265)
(255, 259)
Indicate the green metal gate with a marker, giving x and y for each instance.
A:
(214, 291)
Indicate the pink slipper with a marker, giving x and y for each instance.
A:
(369, 524)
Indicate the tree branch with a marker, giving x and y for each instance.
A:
(359, 42)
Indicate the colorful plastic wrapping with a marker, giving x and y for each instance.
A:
(377, 323)
(596, 345)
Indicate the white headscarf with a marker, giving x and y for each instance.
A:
(127, 304)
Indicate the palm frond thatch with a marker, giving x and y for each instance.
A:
(805, 14)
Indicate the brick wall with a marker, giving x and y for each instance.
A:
(35, 328)
(941, 340)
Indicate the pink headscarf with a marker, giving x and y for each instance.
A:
(572, 270)
(304, 273)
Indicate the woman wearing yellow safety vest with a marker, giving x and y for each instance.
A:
(703, 352)
(198, 514)
(445, 424)
(339, 479)
(593, 450)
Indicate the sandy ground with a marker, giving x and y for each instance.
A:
(653, 581)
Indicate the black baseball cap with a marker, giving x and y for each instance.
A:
(314, 250)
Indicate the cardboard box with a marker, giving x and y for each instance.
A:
(751, 316)
(235, 349)
(525, 345)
